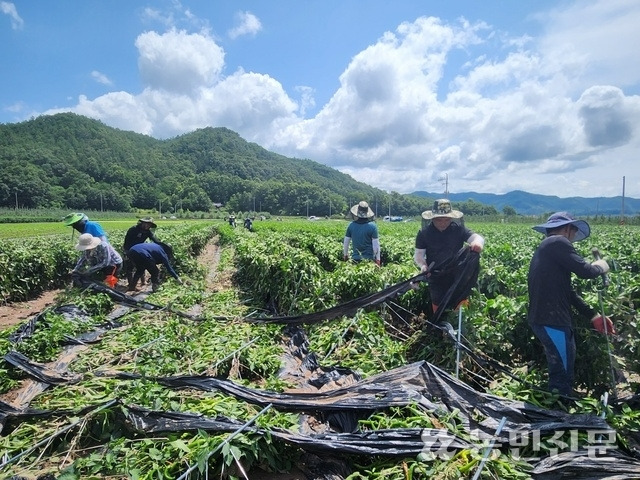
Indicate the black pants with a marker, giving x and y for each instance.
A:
(560, 348)
(141, 264)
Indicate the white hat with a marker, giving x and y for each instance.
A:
(362, 210)
(86, 241)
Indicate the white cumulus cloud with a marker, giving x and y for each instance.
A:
(101, 78)
(9, 8)
(247, 24)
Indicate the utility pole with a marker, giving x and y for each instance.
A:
(622, 214)
(446, 185)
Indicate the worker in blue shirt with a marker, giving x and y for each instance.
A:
(81, 223)
(147, 256)
(362, 232)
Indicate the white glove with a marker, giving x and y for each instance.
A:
(476, 246)
(604, 266)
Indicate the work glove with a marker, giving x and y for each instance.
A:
(604, 266)
(598, 324)
(476, 247)
(378, 262)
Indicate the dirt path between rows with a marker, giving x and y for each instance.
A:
(14, 313)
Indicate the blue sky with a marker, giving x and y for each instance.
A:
(542, 96)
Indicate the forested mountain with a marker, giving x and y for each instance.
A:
(70, 161)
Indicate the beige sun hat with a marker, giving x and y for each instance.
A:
(362, 210)
(442, 209)
(149, 221)
(86, 241)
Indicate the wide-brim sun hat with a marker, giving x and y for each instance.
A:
(442, 209)
(149, 221)
(362, 210)
(86, 241)
(73, 218)
(560, 219)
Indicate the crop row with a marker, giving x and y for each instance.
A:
(305, 274)
(29, 266)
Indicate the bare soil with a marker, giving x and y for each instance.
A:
(14, 313)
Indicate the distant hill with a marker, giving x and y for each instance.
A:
(73, 162)
(526, 203)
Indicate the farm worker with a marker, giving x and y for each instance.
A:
(248, 224)
(139, 233)
(99, 260)
(363, 232)
(147, 256)
(232, 220)
(81, 223)
(551, 295)
(438, 242)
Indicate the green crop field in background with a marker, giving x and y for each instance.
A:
(22, 230)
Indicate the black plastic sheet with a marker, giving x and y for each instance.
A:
(419, 383)
(390, 442)
(40, 371)
(347, 308)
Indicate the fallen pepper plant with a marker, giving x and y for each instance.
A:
(119, 362)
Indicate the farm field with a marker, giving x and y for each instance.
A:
(196, 380)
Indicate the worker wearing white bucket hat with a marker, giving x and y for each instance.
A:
(99, 260)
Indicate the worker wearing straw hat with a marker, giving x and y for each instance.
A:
(98, 261)
(363, 233)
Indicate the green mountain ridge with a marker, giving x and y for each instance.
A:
(70, 161)
(526, 203)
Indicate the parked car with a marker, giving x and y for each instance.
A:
(387, 218)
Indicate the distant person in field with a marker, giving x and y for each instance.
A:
(139, 233)
(99, 261)
(232, 220)
(437, 245)
(248, 224)
(362, 233)
(551, 296)
(81, 223)
(146, 257)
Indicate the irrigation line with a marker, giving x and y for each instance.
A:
(458, 343)
(135, 350)
(392, 308)
(489, 448)
(606, 337)
(339, 341)
(226, 440)
(399, 333)
(56, 434)
(234, 352)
